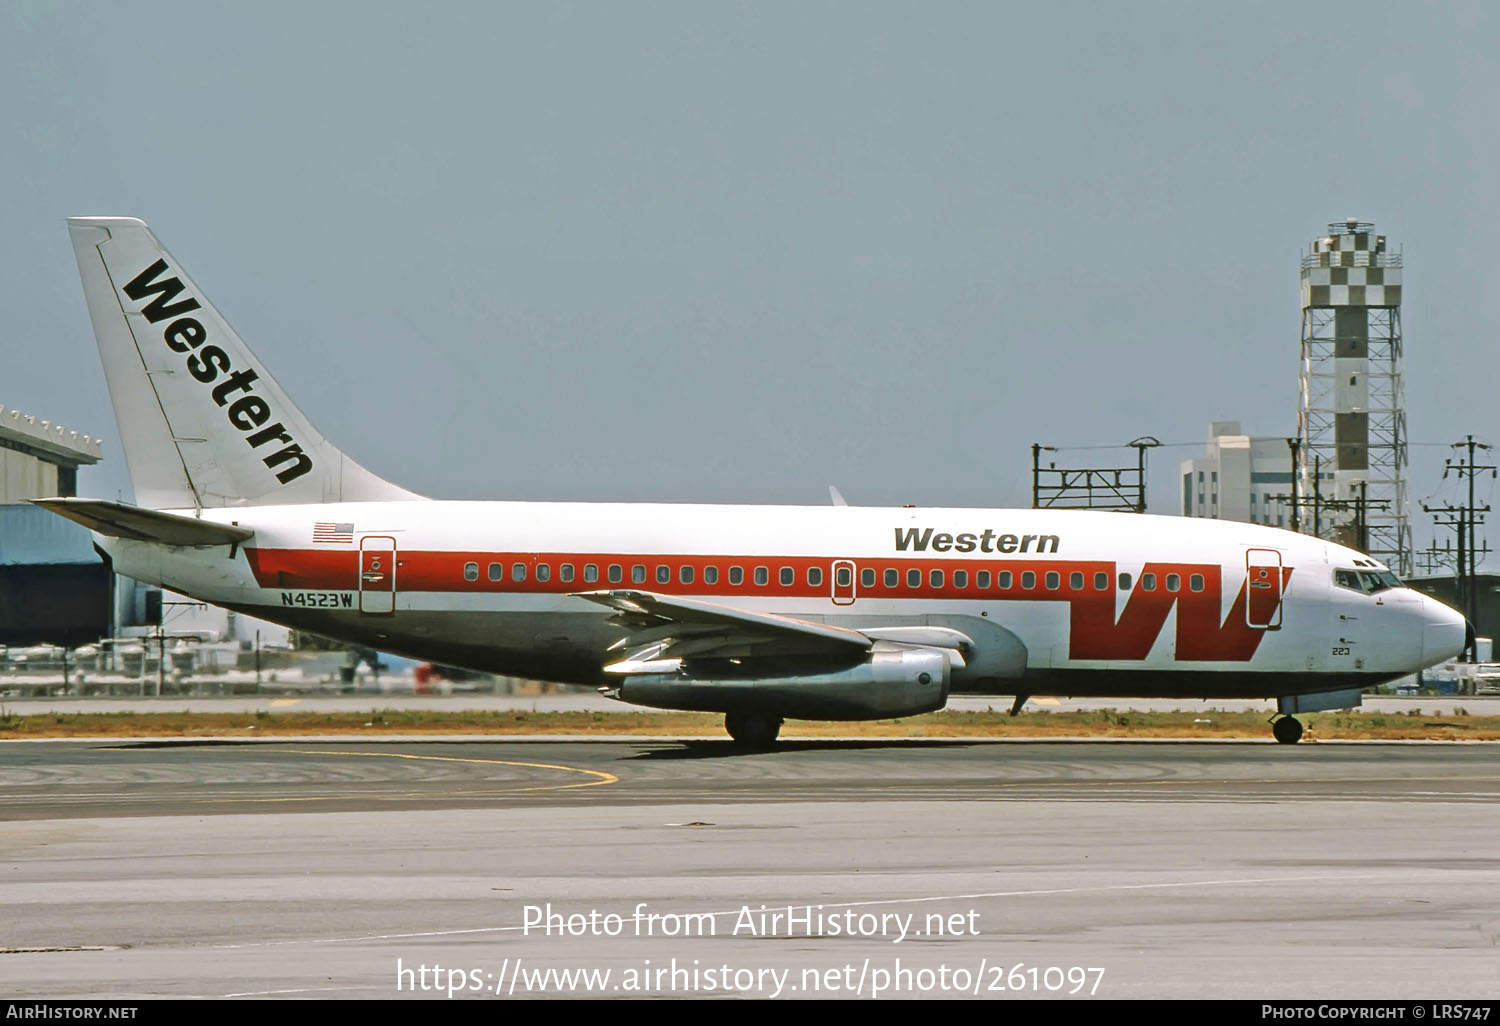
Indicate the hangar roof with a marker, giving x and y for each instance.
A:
(46, 440)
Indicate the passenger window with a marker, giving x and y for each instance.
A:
(867, 578)
(471, 571)
(591, 572)
(544, 571)
(844, 577)
(497, 572)
(1053, 580)
(1028, 580)
(982, 579)
(685, 575)
(1124, 582)
(518, 571)
(736, 576)
(1101, 582)
(892, 577)
(710, 575)
(913, 578)
(762, 576)
(1196, 582)
(960, 578)
(616, 573)
(1075, 581)
(1004, 580)
(815, 576)
(1173, 582)
(663, 574)
(935, 578)
(788, 576)
(565, 573)
(1148, 582)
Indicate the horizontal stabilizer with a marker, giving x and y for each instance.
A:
(119, 520)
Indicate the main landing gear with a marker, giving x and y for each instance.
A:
(1287, 730)
(752, 730)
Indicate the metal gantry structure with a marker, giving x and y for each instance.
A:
(1351, 417)
(1122, 489)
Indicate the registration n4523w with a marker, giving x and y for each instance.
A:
(318, 599)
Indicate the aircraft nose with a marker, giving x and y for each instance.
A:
(1445, 632)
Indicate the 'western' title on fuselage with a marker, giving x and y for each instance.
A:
(914, 540)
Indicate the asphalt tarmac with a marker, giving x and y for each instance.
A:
(894, 869)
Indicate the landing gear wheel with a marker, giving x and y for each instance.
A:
(1287, 730)
(752, 730)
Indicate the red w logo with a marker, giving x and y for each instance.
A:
(1095, 633)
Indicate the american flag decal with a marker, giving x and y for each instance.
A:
(333, 532)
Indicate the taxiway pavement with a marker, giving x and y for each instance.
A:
(327, 869)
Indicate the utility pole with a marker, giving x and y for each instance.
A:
(1464, 519)
(1469, 471)
(1295, 444)
(1140, 445)
(1361, 530)
(1432, 559)
(1036, 472)
(1317, 495)
(1360, 507)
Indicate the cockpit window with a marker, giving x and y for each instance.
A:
(1367, 581)
(1379, 580)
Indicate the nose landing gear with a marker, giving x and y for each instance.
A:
(1287, 730)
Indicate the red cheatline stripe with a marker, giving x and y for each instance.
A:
(1097, 628)
(445, 572)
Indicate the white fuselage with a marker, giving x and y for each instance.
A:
(1069, 602)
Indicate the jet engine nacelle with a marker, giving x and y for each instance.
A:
(894, 680)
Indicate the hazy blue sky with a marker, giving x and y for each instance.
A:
(712, 252)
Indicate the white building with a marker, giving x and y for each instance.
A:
(1241, 478)
(39, 459)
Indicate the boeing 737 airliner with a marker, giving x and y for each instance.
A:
(758, 612)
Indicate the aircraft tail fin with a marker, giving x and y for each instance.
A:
(203, 424)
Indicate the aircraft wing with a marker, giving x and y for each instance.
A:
(663, 628)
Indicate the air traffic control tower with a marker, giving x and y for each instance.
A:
(1351, 417)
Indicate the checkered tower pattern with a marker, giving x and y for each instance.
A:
(1351, 270)
(1352, 417)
